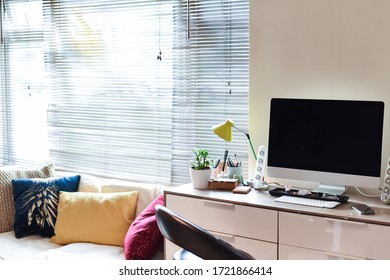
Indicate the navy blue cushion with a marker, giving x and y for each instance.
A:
(36, 203)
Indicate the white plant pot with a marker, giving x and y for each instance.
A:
(200, 178)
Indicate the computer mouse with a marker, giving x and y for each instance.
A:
(331, 204)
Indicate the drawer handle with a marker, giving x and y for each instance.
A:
(346, 257)
(217, 204)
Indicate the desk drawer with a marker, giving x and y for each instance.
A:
(227, 218)
(334, 236)
(287, 252)
(260, 250)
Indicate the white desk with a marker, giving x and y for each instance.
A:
(266, 229)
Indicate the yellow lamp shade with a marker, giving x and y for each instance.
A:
(224, 130)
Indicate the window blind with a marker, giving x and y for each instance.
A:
(23, 96)
(111, 98)
(211, 69)
(125, 88)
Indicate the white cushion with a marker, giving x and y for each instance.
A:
(88, 183)
(147, 192)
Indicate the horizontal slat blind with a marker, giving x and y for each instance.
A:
(24, 98)
(211, 64)
(3, 99)
(82, 84)
(111, 109)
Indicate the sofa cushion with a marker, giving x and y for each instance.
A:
(36, 203)
(7, 209)
(94, 217)
(147, 192)
(143, 238)
(88, 183)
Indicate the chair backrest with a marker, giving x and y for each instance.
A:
(195, 239)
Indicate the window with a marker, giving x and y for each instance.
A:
(124, 88)
(111, 99)
(211, 69)
(24, 98)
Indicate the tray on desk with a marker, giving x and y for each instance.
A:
(312, 195)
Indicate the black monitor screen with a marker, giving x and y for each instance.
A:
(338, 136)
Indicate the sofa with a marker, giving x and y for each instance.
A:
(106, 219)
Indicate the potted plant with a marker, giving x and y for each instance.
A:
(200, 170)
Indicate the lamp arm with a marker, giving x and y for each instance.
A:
(250, 142)
(241, 130)
(249, 139)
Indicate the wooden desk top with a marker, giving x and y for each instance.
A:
(264, 200)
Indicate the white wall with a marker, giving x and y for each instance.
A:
(337, 49)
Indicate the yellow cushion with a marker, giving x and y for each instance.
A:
(94, 217)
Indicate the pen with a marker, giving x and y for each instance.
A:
(224, 160)
(216, 163)
(230, 162)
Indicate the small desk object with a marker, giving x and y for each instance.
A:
(266, 229)
(223, 184)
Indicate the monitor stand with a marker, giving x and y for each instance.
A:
(331, 189)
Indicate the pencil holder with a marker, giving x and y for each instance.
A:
(234, 171)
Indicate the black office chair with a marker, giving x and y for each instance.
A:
(194, 240)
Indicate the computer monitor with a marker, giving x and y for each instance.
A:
(335, 143)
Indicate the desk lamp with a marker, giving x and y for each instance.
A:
(224, 131)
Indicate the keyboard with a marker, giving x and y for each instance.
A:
(307, 201)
